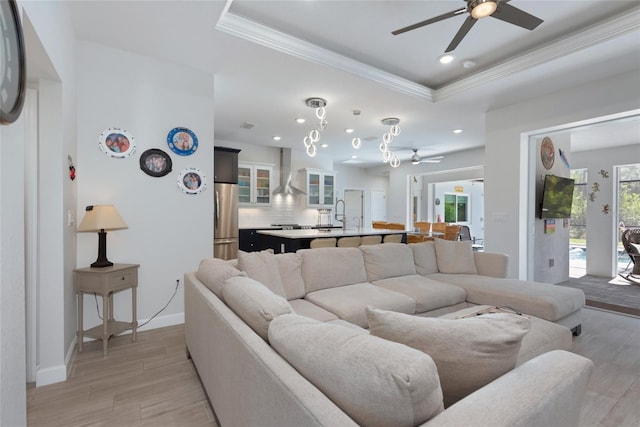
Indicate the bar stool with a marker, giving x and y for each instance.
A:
(327, 242)
(370, 240)
(349, 242)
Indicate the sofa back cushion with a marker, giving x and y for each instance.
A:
(424, 257)
(455, 257)
(263, 267)
(256, 305)
(290, 267)
(374, 381)
(387, 260)
(469, 353)
(324, 268)
(213, 272)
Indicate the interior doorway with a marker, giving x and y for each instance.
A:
(378, 206)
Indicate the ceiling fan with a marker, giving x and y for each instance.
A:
(416, 159)
(478, 9)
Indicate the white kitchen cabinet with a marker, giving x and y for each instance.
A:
(321, 187)
(254, 184)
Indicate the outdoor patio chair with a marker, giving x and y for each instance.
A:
(631, 243)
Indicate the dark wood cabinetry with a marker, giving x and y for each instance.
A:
(225, 165)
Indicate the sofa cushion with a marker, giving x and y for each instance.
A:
(469, 353)
(309, 309)
(455, 257)
(290, 267)
(349, 302)
(424, 257)
(429, 294)
(374, 381)
(549, 302)
(387, 260)
(213, 272)
(254, 303)
(324, 268)
(543, 336)
(263, 267)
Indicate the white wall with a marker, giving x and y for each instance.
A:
(475, 191)
(355, 178)
(550, 248)
(169, 231)
(508, 202)
(602, 229)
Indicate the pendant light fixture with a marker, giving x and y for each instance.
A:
(356, 142)
(387, 138)
(313, 137)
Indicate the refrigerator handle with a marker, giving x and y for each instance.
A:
(217, 206)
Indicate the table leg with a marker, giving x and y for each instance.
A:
(105, 322)
(134, 318)
(80, 325)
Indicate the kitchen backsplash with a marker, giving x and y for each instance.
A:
(283, 210)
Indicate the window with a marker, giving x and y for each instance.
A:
(456, 207)
(578, 227)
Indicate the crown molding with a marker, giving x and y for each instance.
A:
(617, 26)
(277, 40)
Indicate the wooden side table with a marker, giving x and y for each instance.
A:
(105, 282)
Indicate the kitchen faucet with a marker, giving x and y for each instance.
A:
(340, 216)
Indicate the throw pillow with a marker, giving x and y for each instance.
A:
(374, 381)
(256, 305)
(455, 257)
(469, 353)
(263, 267)
(424, 256)
(213, 272)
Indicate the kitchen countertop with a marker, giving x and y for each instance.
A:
(336, 232)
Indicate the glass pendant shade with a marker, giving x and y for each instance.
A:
(387, 138)
(312, 150)
(395, 130)
(314, 135)
(355, 142)
(321, 113)
(307, 142)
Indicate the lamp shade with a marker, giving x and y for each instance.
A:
(101, 217)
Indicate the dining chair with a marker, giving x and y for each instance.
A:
(378, 224)
(451, 232)
(423, 226)
(438, 227)
(370, 240)
(326, 242)
(349, 242)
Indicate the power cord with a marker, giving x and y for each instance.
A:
(175, 291)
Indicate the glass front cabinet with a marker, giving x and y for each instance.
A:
(254, 184)
(320, 188)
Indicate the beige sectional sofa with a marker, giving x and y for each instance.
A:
(317, 364)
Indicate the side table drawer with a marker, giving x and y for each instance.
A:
(123, 279)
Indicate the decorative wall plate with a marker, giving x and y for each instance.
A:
(182, 141)
(547, 153)
(191, 181)
(155, 162)
(12, 66)
(116, 142)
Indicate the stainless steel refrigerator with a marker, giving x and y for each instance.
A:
(225, 221)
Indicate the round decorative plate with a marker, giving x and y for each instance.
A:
(155, 162)
(12, 66)
(547, 153)
(116, 142)
(191, 181)
(182, 141)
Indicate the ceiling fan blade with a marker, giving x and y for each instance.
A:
(429, 21)
(436, 159)
(507, 13)
(464, 29)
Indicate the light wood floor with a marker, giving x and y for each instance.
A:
(152, 383)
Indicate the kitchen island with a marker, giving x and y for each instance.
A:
(292, 240)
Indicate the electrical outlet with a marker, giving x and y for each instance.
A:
(177, 282)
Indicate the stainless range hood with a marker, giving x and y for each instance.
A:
(285, 186)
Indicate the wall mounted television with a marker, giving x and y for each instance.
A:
(557, 197)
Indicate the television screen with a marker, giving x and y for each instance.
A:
(557, 197)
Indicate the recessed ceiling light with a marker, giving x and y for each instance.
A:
(300, 120)
(457, 131)
(354, 157)
(324, 145)
(446, 58)
(348, 130)
(469, 64)
(276, 138)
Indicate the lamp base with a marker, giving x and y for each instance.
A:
(102, 260)
(101, 263)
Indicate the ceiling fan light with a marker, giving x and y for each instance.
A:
(446, 58)
(483, 8)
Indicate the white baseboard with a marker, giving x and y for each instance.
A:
(161, 322)
(54, 374)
